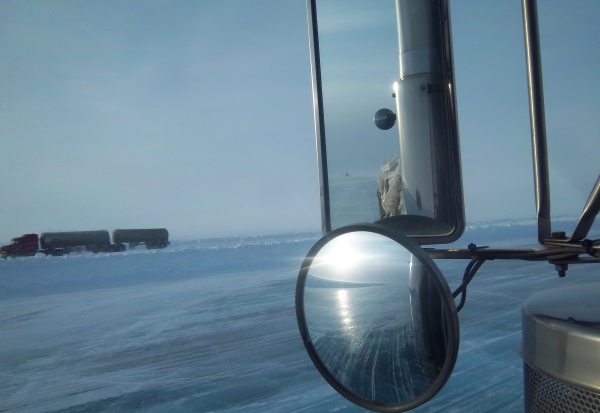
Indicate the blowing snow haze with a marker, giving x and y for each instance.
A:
(197, 116)
(192, 117)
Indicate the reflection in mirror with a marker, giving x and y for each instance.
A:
(358, 65)
(373, 55)
(378, 320)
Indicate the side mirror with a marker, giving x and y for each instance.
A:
(406, 174)
(377, 317)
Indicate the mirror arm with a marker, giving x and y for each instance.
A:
(560, 256)
(317, 92)
(537, 118)
(543, 253)
(558, 250)
(590, 210)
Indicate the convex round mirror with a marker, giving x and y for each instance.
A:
(377, 317)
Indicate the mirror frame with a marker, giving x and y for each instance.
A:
(447, 302)
(412, 225)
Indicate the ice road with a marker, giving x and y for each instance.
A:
(209, 326)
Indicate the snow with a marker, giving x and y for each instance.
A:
(210, 326)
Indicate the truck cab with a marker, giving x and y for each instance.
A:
(24, 246)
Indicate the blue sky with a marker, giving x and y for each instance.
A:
(197, 116)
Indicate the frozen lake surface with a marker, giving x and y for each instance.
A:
(210, 326)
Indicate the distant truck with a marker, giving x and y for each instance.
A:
(60, 243)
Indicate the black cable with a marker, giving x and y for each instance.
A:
(588, 245)
(470, 272)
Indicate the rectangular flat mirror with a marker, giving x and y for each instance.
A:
(385, 116)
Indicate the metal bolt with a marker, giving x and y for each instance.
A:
(562, 269)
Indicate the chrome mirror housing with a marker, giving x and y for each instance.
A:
(371, 55)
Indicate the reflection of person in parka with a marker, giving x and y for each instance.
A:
(389, 191)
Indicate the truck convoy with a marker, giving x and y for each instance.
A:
(60, 243)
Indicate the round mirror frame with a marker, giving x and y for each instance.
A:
(447, 303)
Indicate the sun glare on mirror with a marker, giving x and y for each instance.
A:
(343, 257)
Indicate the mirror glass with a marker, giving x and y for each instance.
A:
(379, 320)
(388, 139)
(359, 63)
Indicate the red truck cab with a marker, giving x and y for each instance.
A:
(25, 245)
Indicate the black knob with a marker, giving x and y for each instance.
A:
(384, 119)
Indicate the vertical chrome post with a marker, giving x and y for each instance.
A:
(538, 121)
